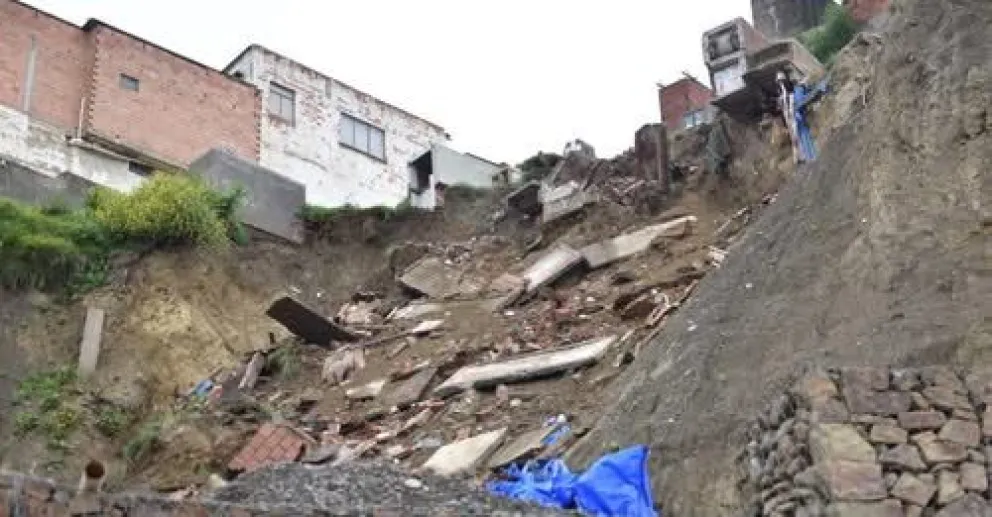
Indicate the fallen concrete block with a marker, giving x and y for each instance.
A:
(89, 347)
(550, 267)
(426, 327)
(415, 310)
(411, 390)
(307, 323)
(368, 391)
(623, 246)
(526, 367)
(464, 455)
(562, 205)
(521, 447)
(430, 277)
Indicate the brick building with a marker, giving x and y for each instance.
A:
(684, 103)
(101, 86)
(864, 11)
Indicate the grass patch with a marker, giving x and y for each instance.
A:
(319, 215)
(836, 31)
(112, 421)
(145, 440)
(284, 362)
(57, 248)
(47, 401)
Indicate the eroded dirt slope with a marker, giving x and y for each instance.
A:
(879, 253)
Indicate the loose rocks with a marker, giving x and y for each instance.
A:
(875, 442)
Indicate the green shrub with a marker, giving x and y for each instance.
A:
(829, 38)
(47, 248)
(168, 209)
(145, 441)
(319, 215)
(47, 401)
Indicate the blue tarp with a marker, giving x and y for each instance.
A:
(616, 485)
(802, 96)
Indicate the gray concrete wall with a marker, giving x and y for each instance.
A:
(272, 201)
(26, 185)
(454, 168)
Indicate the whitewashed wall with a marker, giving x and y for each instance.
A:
(45, 149)
(308, 150)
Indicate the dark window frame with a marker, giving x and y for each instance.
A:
(129, 83)
(284, 94)
(370, 129)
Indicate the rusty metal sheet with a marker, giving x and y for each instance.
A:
(307, 323)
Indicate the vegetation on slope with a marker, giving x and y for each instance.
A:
(837, 30)
(61, 249)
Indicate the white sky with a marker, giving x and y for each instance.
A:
(506, 78)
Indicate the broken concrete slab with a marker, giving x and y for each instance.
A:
(367, 391)
(521, 447)
(525, 367)
(611, 250)
(526, 199)
(563, 200)
(308, 323)
(411, 390)
(465, 455)
(426, 327)
(415, 310)
(431, 277)
(89, 347)
(551, 266)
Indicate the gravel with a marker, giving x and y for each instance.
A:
(364, 488)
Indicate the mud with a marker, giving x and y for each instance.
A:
(876, 254)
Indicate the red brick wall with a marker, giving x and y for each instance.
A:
(62, 61)
(180, 110)
(864, 10)
(679, 98)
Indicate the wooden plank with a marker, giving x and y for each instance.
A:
(89, 348)
(525, 367)
(307, 323)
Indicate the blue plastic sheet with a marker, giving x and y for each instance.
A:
(802, 97)
(615, 485)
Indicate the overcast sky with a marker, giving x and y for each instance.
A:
(506, 78)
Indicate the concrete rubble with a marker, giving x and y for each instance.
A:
(307, 323)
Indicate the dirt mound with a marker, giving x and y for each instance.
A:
(876, 254)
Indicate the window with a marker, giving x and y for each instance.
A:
(129, 83)
(362, 137)
(139, 168)
(692, 119)
(282, 102)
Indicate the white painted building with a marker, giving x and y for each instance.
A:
(343, 145)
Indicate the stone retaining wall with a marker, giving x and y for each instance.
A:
(867, 442)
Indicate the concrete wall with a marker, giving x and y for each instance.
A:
(46, 150)
(28, 186)
(272, 202)
(786, 18)
(451, 168)
(308, 149)
(682, 97)
(181, 109)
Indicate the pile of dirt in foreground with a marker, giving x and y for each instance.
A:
(366, 489)
(879, 253)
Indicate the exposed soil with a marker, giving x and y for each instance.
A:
(876, 254)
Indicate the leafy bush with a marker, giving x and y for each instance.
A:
(59, 248)
(319, 215)
(48, 248)
(168, 209)
(538, 167)
(829, 38)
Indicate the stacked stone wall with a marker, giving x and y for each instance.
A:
(867, 442)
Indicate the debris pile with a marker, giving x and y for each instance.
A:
(874, 441)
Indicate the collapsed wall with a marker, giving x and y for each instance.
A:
(878, 253)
